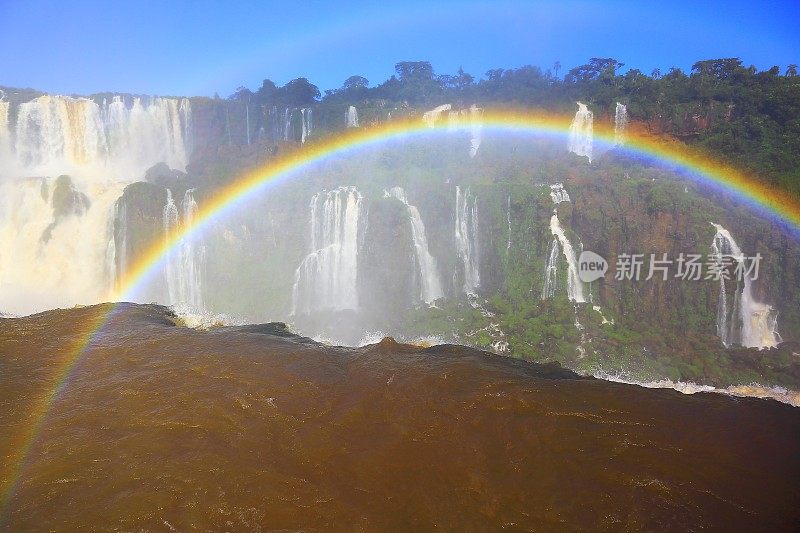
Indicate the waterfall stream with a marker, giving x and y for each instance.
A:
(466, 234)
(580, 132)
(743, 321)
(327, 277)
(430, 286)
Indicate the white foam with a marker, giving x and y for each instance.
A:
(754, 390)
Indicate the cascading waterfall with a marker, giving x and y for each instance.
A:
(306, 115)
(574, 283)
(186, 263)
(54, 242)
(63, 135)
(327, 277)
(580, 132)
(748, 322)
(466, 233)
(620, 123)
(430, 286)
(351, 117)
(560, 241)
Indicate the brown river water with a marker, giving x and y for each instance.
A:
(162, 427)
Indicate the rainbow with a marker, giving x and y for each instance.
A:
(777, 205)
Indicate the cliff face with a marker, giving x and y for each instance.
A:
(617, 205)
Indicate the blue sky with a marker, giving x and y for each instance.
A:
(203, 47)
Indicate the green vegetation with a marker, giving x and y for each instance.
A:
(749, 117)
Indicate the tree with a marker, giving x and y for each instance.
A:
(557, 67)
(267, 93)
(791, 71)
(413, 70)
(299, 93)
(595, 69)
(494, 74)
(355, 83)
(718, 68)
(463, 80)
(415, 83)
(242, 94)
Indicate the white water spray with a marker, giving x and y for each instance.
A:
(54, 257)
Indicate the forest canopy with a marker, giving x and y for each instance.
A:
(750, 117)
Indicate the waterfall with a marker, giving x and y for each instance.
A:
(351, 117)
(5, 131)
(431, 117)
(275, 124)
(620, 123)
(247, 121)
(508, 219)
(61, 232)
(748, 322)
(172, 266)
(186, 262)
(430, 286)
(574, 283)
(287, 123)
(54, 236)
(466, 233)
(193, 255)
(551, 272)
(305, 114)
(558, 194)
(62, 135)
(476, 126)
(117, 249)
(580, 132)
(185, 112)
(327, 277)
(468, 120)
